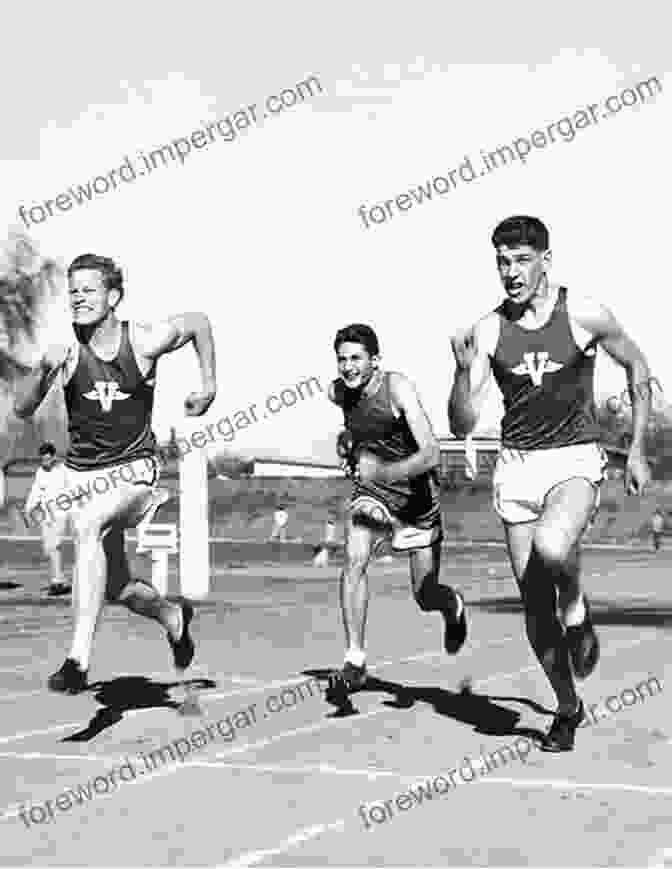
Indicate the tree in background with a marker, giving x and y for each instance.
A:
(615, 421)
(30, 284)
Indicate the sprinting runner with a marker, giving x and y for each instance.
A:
(540, 346)
(108, 377)
(392, 455)
(49, 483)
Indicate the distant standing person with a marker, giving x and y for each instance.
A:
(657, 527)
(50, 481)
(321, 558)
(280, 520)
(330, 531)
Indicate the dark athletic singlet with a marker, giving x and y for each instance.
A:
(109, 408)
(546, 381)
(375, 428)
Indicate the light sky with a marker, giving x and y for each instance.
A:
(263, 233)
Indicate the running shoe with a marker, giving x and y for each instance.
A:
(70, 679)
(560, 736)
(455, 632)
(183, 649)
(343, 683)
(58, 589)
(583, 644)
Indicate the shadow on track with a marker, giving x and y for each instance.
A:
(478, 710)
(127, 693)
(655, 615)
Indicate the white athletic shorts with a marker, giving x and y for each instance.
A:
(95, 489)
(403, 537)
(523, 478)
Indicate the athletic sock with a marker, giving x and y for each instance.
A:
(356, 657)
(80, 653)
(575, 614)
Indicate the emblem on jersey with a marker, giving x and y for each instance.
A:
(536, 365)
(106, 391)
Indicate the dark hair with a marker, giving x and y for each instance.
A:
(47, 449)
(519, 230)
(358, 333)
(113, 277)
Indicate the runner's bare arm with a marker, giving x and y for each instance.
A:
(406, 399)
(472, 375)
(33, 389)
(169, 335)
(607, 333)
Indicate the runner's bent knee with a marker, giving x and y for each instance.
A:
(554, 543)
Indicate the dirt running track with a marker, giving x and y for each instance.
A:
(282, 783)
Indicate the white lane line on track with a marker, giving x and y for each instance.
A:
(7, 698)
(325, 768)
(256, 856)
(16, 737)
(559, 784)
(661, 859)
(218, 696)
(276, 684)
(12, 812)
(251, 858)
(269, 685)
(312, 728)
(298, 838)
(373, 774)
(308, 728)
(18, 667)
(37, 755)
(28, 733)
(257, 684)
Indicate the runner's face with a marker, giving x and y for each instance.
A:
(355, 365)
(47, 461)
(90, 300)
(521, 270)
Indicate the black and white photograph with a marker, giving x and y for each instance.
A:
(335, 490)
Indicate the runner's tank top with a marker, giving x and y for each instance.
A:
(109, 407)
(375, 428)
(546, 381)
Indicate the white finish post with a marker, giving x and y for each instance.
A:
(194, 525)
(471, 458)
(160, 571)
